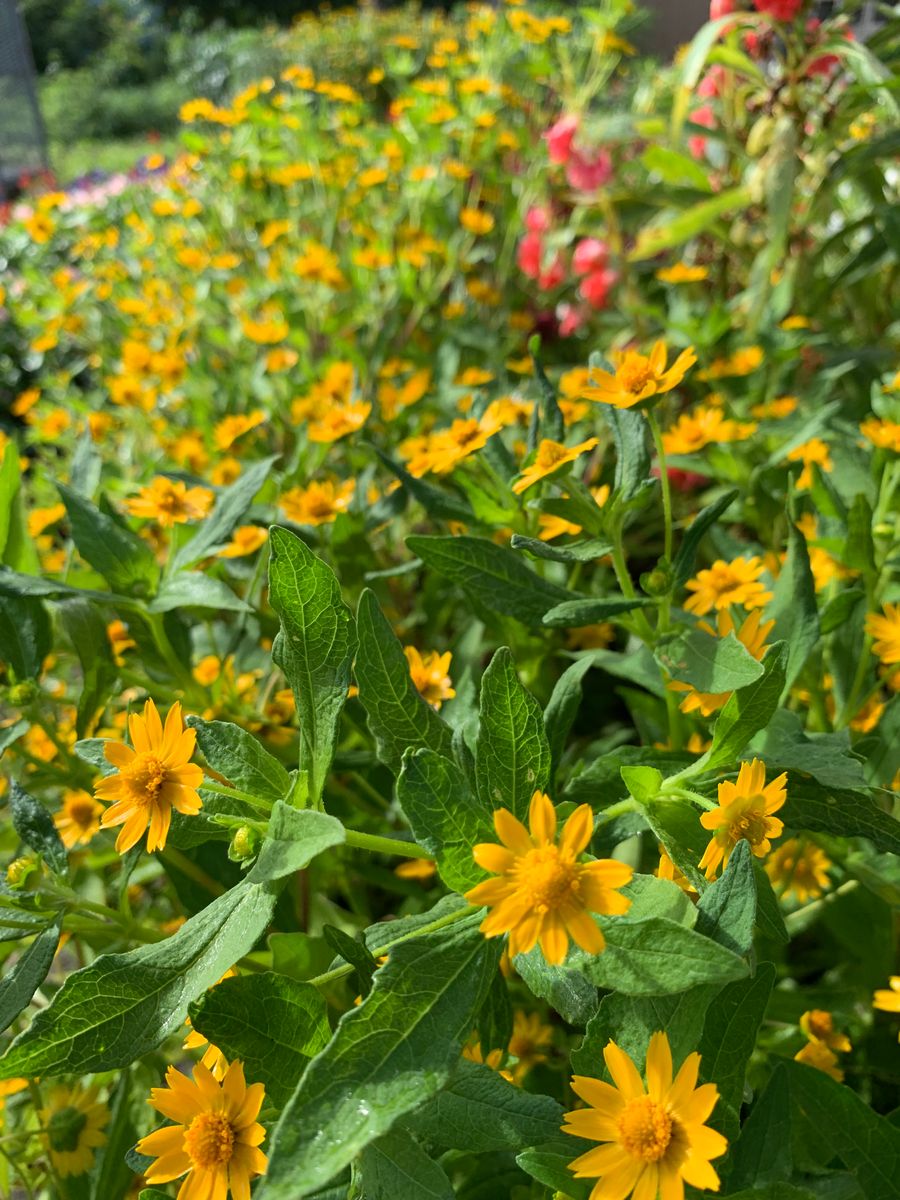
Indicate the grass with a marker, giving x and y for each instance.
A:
(71, 161)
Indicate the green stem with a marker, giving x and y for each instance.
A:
(384, 845)
(656, 434)
(236, 794)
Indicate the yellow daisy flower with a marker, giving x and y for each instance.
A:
(638, 377)
(246, 539)
(724, 584)
(888, 999)
(884, 627)
(215, 1139)
(78, 819)
(73, 1121)
(542, 893)
(744, 812)
(170, 502)
(431, 674)
(151, 779)
(549, 458)
(799, 868)
(656, 1139)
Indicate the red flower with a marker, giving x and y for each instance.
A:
(590, 254)
(559, 138)
(779, 10)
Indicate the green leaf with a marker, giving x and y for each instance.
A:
(676, 825)
(315, 647)
(839, 609)
(273, 1024)
(629, 431)
(708, 663)
(683, 564)
(398, 716)
(676, 168)
(726, 912)
(356, 954)
(11, 733)
(844, 813)
(859, 550)
(124, 1005)
(111, 1174)
(24, 634)
(494, 575)
(769, 918)
(397, 1168)
(828, 757)
(868, 1144)
(587, 551)
(125, 561)
(294, 838)
(386, 1058)
(656, 958)
(643, 783)
(20, 982)
(479, 1111)
(730, 1032)
(437, 503)
(565, 990)
(231, 504)
(194, 589)
(444, 816)
(562, 708)
(762, 1154)
(241, 758)
(512, 754)
(35, 827)
(665, 232)
(794, 607)
(747, 711)
(9, 491)
(573, 614)
(630, 1021)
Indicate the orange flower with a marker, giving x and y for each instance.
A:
(549, 458)
(744, 812)
(638, 377)
(170, 502)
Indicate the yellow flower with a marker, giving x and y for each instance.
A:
(882, 433)
(531, 1037)
(751, 634)
(744, 812)
(549, 458)
(318, 503)
(741, 362)
(431, 674)
(818, 1025)
(40, 519)
(781, 406)
(799, 868)
(682, 273)
(151, 779)
(542, 893)
(817, 1055)
(448, 447)
(656, 1139)
(888, 1000)
(73, 1122)
(229, 429)
(170, 502)
(475, 220)
(551, 527)
(884, 627)
(337, 421)
(473, 1052)
(78, 819)
(422, 870)
(814, 451)
(215, 1139)
(668, 870)
(724, 584)
(246, 539)
(119, 639)
(638, 377)
(694, 430)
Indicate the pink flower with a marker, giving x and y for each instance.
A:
(529, 252)
(587, 173)
(554, 275)
(711, 83)
(779, 10)
(720, 8)
(701, 116)
(570, 319)
(559, 138)
(537, 219)
(590, 254)
(595, 287)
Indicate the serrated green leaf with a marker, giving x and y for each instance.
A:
(231, 504)
(643, 783)
(730, 1032)
(656, 957)
(124, 560)
(356, 954)
(397, 1168)
(747, 711)
(241, 758)
(20, 982)
(398, 716)
(24, 634)
(819, 809)
(315, 647)
(828, 757)
(444, 816)
(708, 663)
(632, 452)
(565, 990)
(726, 912)
(195, 589)
(762, 1154)
(124, 1005)
(34, 825)
(549, 1164)
(793, 606)
(479, 1111)
(573, 614)
(294, 837)
(495, 575)
(562, 708)
(512, 755)
(385, 1059)
(587, 551)
(273, 1024)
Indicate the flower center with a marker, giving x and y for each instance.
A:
(546, 880)
(635, 373)
(209, 1139)
(645, 1129)
(144, 777)
(82, 813)
(64, 1128)
(750, 821)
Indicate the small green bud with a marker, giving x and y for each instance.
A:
(658, 582)
(19, 871)
(22, 694)
(245, 843)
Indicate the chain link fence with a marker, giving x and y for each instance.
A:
(23, 142)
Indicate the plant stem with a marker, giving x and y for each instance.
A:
(236, 794)
(656, 434)
(384, 845)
